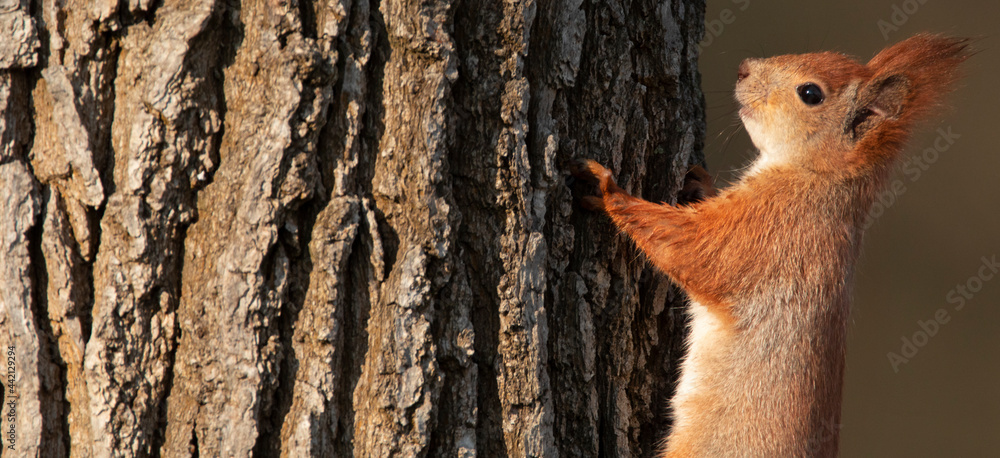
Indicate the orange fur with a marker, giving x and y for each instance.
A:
(768, 263)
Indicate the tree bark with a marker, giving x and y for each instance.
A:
(337, 228)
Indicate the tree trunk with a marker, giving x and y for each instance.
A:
(337, 228)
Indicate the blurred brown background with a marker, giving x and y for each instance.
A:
(945, 400)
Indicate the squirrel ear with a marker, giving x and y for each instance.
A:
(886, 95)
(878, 100)
(908, 79)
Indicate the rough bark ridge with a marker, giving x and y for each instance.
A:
(337, 228)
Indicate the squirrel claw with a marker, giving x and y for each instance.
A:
(586, 169)
(592, 171)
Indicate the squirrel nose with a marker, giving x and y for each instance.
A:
(744, 70)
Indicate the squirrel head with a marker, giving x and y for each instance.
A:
(829, 113)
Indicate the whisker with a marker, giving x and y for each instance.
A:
(729, 140)
(725, 114)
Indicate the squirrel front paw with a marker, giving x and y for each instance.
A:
(698, 186)
(593, 172)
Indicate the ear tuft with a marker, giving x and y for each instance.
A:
(927, 67)
(905, 82)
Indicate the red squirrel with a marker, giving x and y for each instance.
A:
(768, 263)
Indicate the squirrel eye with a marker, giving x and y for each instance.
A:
(810, 93)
